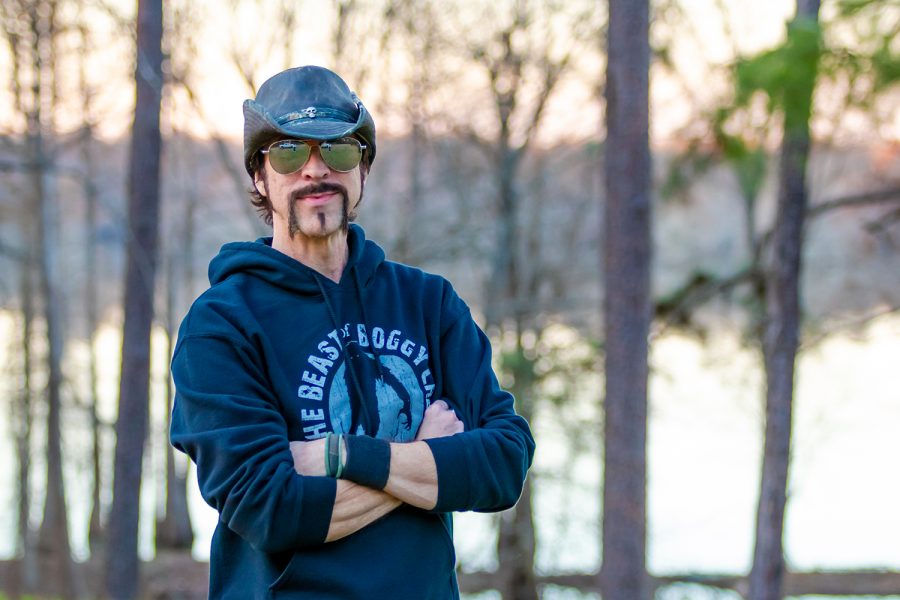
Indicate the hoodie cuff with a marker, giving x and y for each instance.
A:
(316, 508)
(450, 458)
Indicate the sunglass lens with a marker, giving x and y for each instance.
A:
(341, 155)
(288, 157)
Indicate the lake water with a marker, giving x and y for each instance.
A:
(704, 447)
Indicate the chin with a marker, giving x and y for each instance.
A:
(313, 228)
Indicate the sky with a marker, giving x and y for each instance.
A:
(757, 25)
(217, 34)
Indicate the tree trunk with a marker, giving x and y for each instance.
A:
(501, 290)
(515, 539)
(26, 32)
(507, 291)
(627, 307)
(782, 327)
(173, 529)
(25, 574)
(516, 546)
(95, 528)
(53, 538)
(143, 217)
(403, 248)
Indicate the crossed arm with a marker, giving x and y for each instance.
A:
(412, 478)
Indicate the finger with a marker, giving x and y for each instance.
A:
(440, 404)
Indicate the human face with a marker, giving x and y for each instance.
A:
(287, 156)
(313, 202)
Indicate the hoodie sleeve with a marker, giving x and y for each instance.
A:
(484, 467)
(227, 421)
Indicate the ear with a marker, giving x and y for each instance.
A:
(259, 181)
(363, 173)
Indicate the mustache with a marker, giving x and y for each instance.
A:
(323, 187)
(317, 188)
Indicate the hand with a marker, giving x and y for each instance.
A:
(309, 457)
(439, 421)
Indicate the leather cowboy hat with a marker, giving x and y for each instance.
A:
(305, 103)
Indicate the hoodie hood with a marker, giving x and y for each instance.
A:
(258, 259)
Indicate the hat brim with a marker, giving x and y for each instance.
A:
(260, 128)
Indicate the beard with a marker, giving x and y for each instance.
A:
(294, 225)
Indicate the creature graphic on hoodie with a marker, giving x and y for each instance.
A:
(371, 392)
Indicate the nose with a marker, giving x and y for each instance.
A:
(315, 167)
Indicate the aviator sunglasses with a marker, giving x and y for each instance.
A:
(289, 156)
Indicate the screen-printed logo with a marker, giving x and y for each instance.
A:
(374, 383)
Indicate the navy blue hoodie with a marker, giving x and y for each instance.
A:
(273, 353)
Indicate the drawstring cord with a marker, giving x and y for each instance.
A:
(362, 307)
(363, 409)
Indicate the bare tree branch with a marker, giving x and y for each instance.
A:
(700, 288)
(851, 324)
(886, 196)
(234, 171)
(879, 226)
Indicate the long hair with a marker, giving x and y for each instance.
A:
(261, 203)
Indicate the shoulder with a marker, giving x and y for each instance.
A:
(419, 278)
(413, 274)
(217, 312)
(435, 290)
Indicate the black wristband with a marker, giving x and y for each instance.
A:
(368, 461)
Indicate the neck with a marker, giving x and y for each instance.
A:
(326, 255)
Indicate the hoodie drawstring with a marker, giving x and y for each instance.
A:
(362, 307)
(363, 406)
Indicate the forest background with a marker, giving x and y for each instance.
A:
(492, 121)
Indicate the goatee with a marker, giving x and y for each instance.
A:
(320, 188)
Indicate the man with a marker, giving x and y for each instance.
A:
(338, 406)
